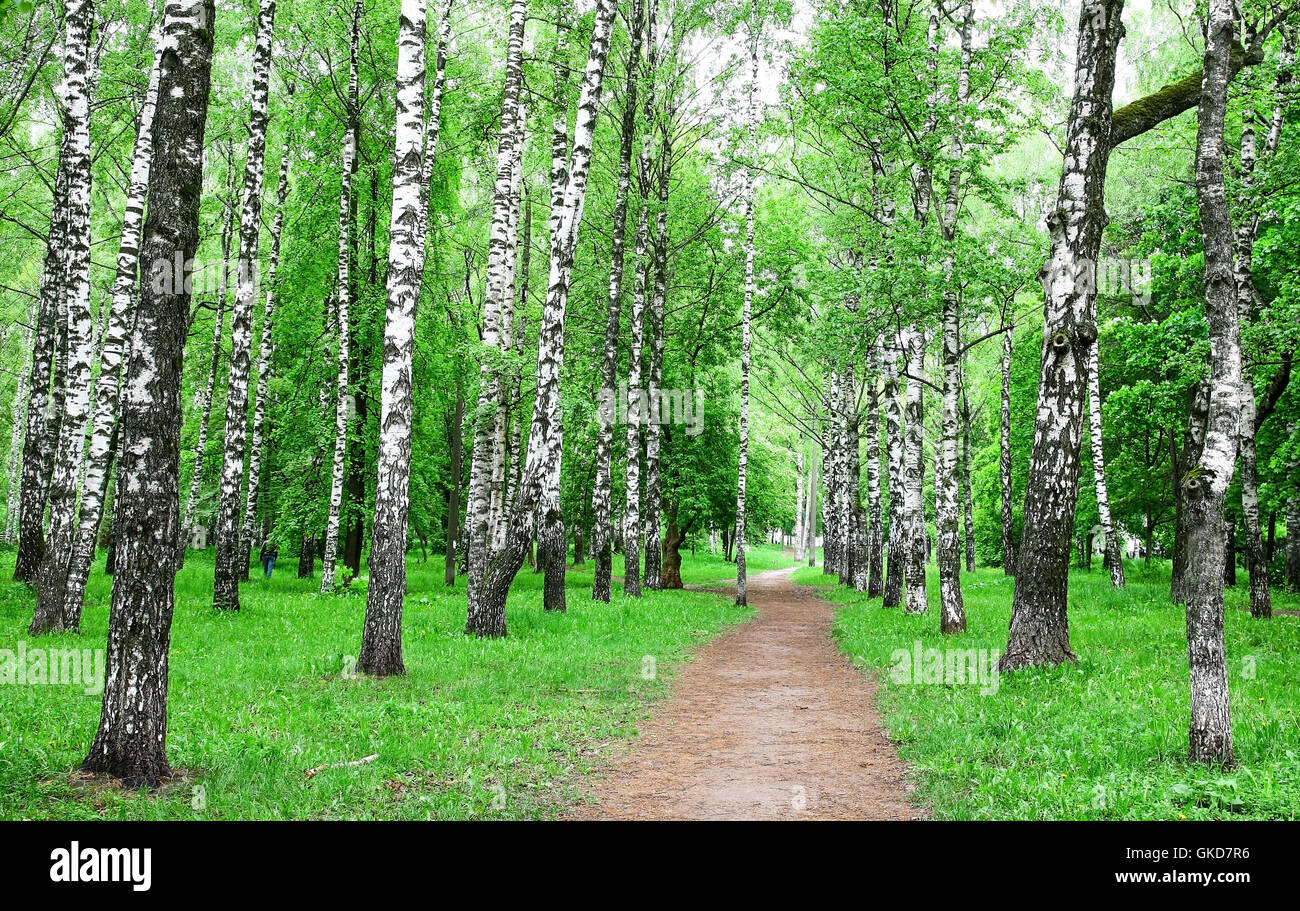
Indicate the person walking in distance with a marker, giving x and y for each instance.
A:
(269, 552)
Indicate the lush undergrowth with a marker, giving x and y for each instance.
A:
(1105, 738)
(260, 698)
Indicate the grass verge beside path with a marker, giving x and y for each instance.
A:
(477, 729)
(1105, 738)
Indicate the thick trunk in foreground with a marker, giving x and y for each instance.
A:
(381, 642)
(52, 574)
(226, 576)
(1210, 731)
(131, 742)
(1040, 631)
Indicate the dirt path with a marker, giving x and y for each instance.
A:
(769, 722)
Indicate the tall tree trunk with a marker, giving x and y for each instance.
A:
(952, 616)
(637, 408)
(203, 399)
(131, 742)
(742, 582)
(353, 114)
(1261, 602)
(968, 502)
(13, 495)
(601, 499)
(226, 576)
(800, 484)
(1114, 556)
(539, 488)
(265, 369)
(894, 445)
(914, 478)
(1292, 565)
(121, 318)
(381, 643)
(875, 516)
(833, 471)
(1198, 406)
(810, 515)
(52, 574)
(479, 520)
(453, 491)
(1039, 628)
(656, 315)
(1004, 459)
(1210, 732)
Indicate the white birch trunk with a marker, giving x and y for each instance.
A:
(479, 519)
(226, 576)
(1206, 485)
(53, 572)
(344, 300)
(381, 644)
(121, 315)
(265, 370)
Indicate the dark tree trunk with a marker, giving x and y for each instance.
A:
(306, 557)
(1198, 406)
(1230, 550)
(674, 536)
(453, 490)
(131, 743)
(43, 419)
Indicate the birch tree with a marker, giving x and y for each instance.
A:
(1039, 626)
(1210, 733)
(265, 368)
(952, 614)
(742, 582)
(131, 741)
(601, 499)
(381, 643)
(225, 593)
(120, 318)
(1114, 556)
(344, 295)
(896, 557)
(479, 519)
(538, 501)
(1252, 417)
(1004, 458)
(78, 323)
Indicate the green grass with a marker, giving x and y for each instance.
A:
(477, 729)
(1105, 738)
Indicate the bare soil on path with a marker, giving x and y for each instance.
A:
(771, 721)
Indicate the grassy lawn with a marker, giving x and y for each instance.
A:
(477, 729)
(1105, 738)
